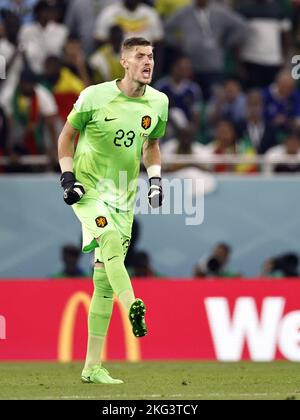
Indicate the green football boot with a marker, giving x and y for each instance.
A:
(98, 375)
(137, 318)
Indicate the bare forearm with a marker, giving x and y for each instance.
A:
(152, 162)
(66, 147)
(151, 154)
(73, 190)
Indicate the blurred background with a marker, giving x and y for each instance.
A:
(230, 71)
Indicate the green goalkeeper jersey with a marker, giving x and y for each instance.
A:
(113, 128)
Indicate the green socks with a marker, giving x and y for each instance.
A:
(99, 317)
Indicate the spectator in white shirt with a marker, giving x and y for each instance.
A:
(136, 20)
(31, 108)
(42, 38)
(268, 44)
(289, 149)
(185, 144)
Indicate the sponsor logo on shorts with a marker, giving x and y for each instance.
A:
(146, 122)
(101, 221)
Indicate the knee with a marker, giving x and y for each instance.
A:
(111, 245)
(99, 264)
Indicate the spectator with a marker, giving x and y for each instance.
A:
(215, 264)
(285, 265)
(30, 109)
(228, 103)
(10, 27)
(135, 19)
(42, 38)
(105, 62)
(268, 44)
(224, 143)
(204, 31)
(9, 50)
(21, 8)
(254, 130)
(70, 258)
(64, 85)
(132, 249)
(184, 144)
(227, 142)
(282, 102)
(184, 94)
(74, 59)
(142, 265)
(289, 149)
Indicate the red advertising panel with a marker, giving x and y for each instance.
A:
(227, 320)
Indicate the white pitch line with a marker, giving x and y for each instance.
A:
(136, 397)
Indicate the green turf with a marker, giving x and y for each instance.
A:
(153, 380)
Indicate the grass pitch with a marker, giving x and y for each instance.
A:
(154, 381)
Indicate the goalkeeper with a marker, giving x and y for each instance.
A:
(117, 122)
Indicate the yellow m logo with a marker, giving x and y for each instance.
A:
(67, 330)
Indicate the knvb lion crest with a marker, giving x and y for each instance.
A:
(101, 221)
(146, 122)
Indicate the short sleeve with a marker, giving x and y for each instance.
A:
(160, 128)
(82, 111)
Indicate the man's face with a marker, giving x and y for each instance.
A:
(255, 105)
(221, 253)
(225, 134)
(26, 88)
(292, 145)
(231, 90)
(286, 85)
(138, 63)
(182, 69)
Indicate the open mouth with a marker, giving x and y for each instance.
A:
(146, 73)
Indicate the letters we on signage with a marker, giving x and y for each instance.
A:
(263, 334)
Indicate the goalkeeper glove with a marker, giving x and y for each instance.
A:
(155, 194)
(73, 190)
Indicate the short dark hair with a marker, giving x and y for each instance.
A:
(70, 249)
(135, 42)
(224, 245)
(40, 6)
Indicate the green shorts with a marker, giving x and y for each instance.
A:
(97, 217)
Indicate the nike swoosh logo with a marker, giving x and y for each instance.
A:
(108, 259)
(109, 119)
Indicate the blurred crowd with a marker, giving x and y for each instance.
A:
(214, 265)
(229, 69)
